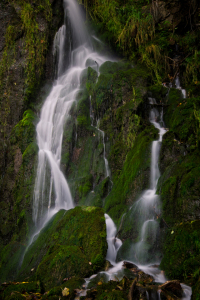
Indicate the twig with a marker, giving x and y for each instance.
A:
(175, 75)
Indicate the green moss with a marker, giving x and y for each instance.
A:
(158, 92)
(83, 110)
(35, 41)
(25, 287)
(179, 182)
(16, 296)
(113, 67)
(86, 187)
(111, 290)
(124, 251)
(24, 132)
(136, 161)
(64, 262)
(180, 117)
(71, 284)
(196, 290)
(66, 245)
(182, 252)
(10, 259)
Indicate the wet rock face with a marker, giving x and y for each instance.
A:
(179, 161)
(17, 140)
(7, 13)
(175, 12)
(172, 286)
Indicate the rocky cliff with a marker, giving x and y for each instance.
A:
(26, 37)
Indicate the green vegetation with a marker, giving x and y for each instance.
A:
(182, 253)
(131, 179)
(179, 189)
(149, 31)
(34, 46)
(73, 243)
(35, 41)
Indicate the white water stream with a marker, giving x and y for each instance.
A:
(147, 207)
(178, 86)
(51, 191)
(107, 169)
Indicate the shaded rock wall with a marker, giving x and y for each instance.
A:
(19, 93)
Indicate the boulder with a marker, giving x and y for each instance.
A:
(129, 265)
(173, 287)
(72, 243)
(145, 278)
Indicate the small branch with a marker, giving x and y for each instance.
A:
(159, 216)
(175, 75)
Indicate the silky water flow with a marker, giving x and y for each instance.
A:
(51, 191)
(73, 53)
(147, 207)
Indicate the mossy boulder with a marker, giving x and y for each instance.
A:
(116, 290)
(179, 189)
(72, 243)
(57, 291)
(64, 261)
(179, 183)
(182, 253)
(20, 288)
(158, 92)
(182, 117)
(10, 258)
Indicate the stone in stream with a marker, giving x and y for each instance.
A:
(145, 278)
(129, 265)
(108, 265)
(170, 289)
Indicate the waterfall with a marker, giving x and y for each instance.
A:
(113, 242)
(178, 86)
(51, 191)
(107, 169)
(147, 208)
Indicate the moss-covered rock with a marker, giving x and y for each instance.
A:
(112, 290)
(21, 288)
(180, 161)
(72, 243)
(64, 261)
(20, 80)
(70, 285)
(132, 179)
(179, 189)
(182, 253)
(180, 117)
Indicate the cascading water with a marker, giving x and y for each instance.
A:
(107, 173)
(107, 169)
(51, 191)
(147, 207)
(178, 86)
(113, 242)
